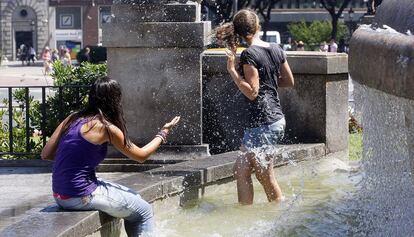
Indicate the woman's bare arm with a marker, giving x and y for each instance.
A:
(286, 77)
(134, 152)
(249, 85)
(49, 150)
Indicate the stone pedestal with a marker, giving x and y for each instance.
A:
(316, 108)
(154, 52)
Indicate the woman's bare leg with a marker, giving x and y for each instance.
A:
(242, 170)
(267, 178)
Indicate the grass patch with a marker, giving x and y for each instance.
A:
(355, 146)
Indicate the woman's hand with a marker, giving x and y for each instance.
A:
(168, 126)
(231, 60)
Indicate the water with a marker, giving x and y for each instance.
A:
(387, 193)
(319, 202)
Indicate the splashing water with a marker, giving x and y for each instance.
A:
(387, 190)
(319, 202)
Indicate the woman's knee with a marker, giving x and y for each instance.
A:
(143, 210)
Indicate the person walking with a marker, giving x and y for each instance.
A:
(80, 143)
(32, 55)
(46, 61)
(262, 69)
(55, 55)
(333, 46)
(24, 50)
(66, 59)
(323, 47)
(301, 46)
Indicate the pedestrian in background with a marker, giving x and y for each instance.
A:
(32, 55)
(46, 56)
(66, 60)
(23, 53)
(55, 55)
(333, 47)
(301, 46)
(323, 47)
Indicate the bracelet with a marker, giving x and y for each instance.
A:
(163, 135)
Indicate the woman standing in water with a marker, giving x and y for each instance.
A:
(80, 143)
(261, 71)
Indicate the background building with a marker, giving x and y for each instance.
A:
(78, 23)
(23, 22)
(288, 11)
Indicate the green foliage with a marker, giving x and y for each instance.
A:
(59, 104)
(68, 100)
(315, 33)
(19, 127)
(355, 146)
(355, 138)
(86, 74)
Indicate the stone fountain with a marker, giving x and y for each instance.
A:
(154, 52)
(382, 64)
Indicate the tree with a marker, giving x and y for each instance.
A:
(312, 34)
(330, 6)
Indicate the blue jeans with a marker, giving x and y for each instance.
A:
(262, 141)
(265, 135)
(118, 201)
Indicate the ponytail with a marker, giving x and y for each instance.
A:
(245, 24)
(226, 34)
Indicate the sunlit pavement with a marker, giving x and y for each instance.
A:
(14, 74)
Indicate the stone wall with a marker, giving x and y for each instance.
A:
(382, 65)
(40, 31)
(316, 109)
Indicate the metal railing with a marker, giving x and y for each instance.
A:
(22, 106)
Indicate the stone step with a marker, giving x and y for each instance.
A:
(126, 167)
(150, 161)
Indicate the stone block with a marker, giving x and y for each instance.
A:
(383, 60)
(140, 2)
(156, 35)
(307, 62)
(173, 12)
(158, 84)
(398, 14)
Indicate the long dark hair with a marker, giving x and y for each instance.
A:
(245, 22)
(104, 103)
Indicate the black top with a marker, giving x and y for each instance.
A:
(266, 108)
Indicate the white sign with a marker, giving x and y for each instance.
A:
(73, 35)
(66, 21)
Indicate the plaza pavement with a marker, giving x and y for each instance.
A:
(14, 74)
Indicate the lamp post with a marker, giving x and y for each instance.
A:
(235, 3)
(33, 26)
(351, 21)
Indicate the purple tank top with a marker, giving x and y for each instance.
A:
(75, 163)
